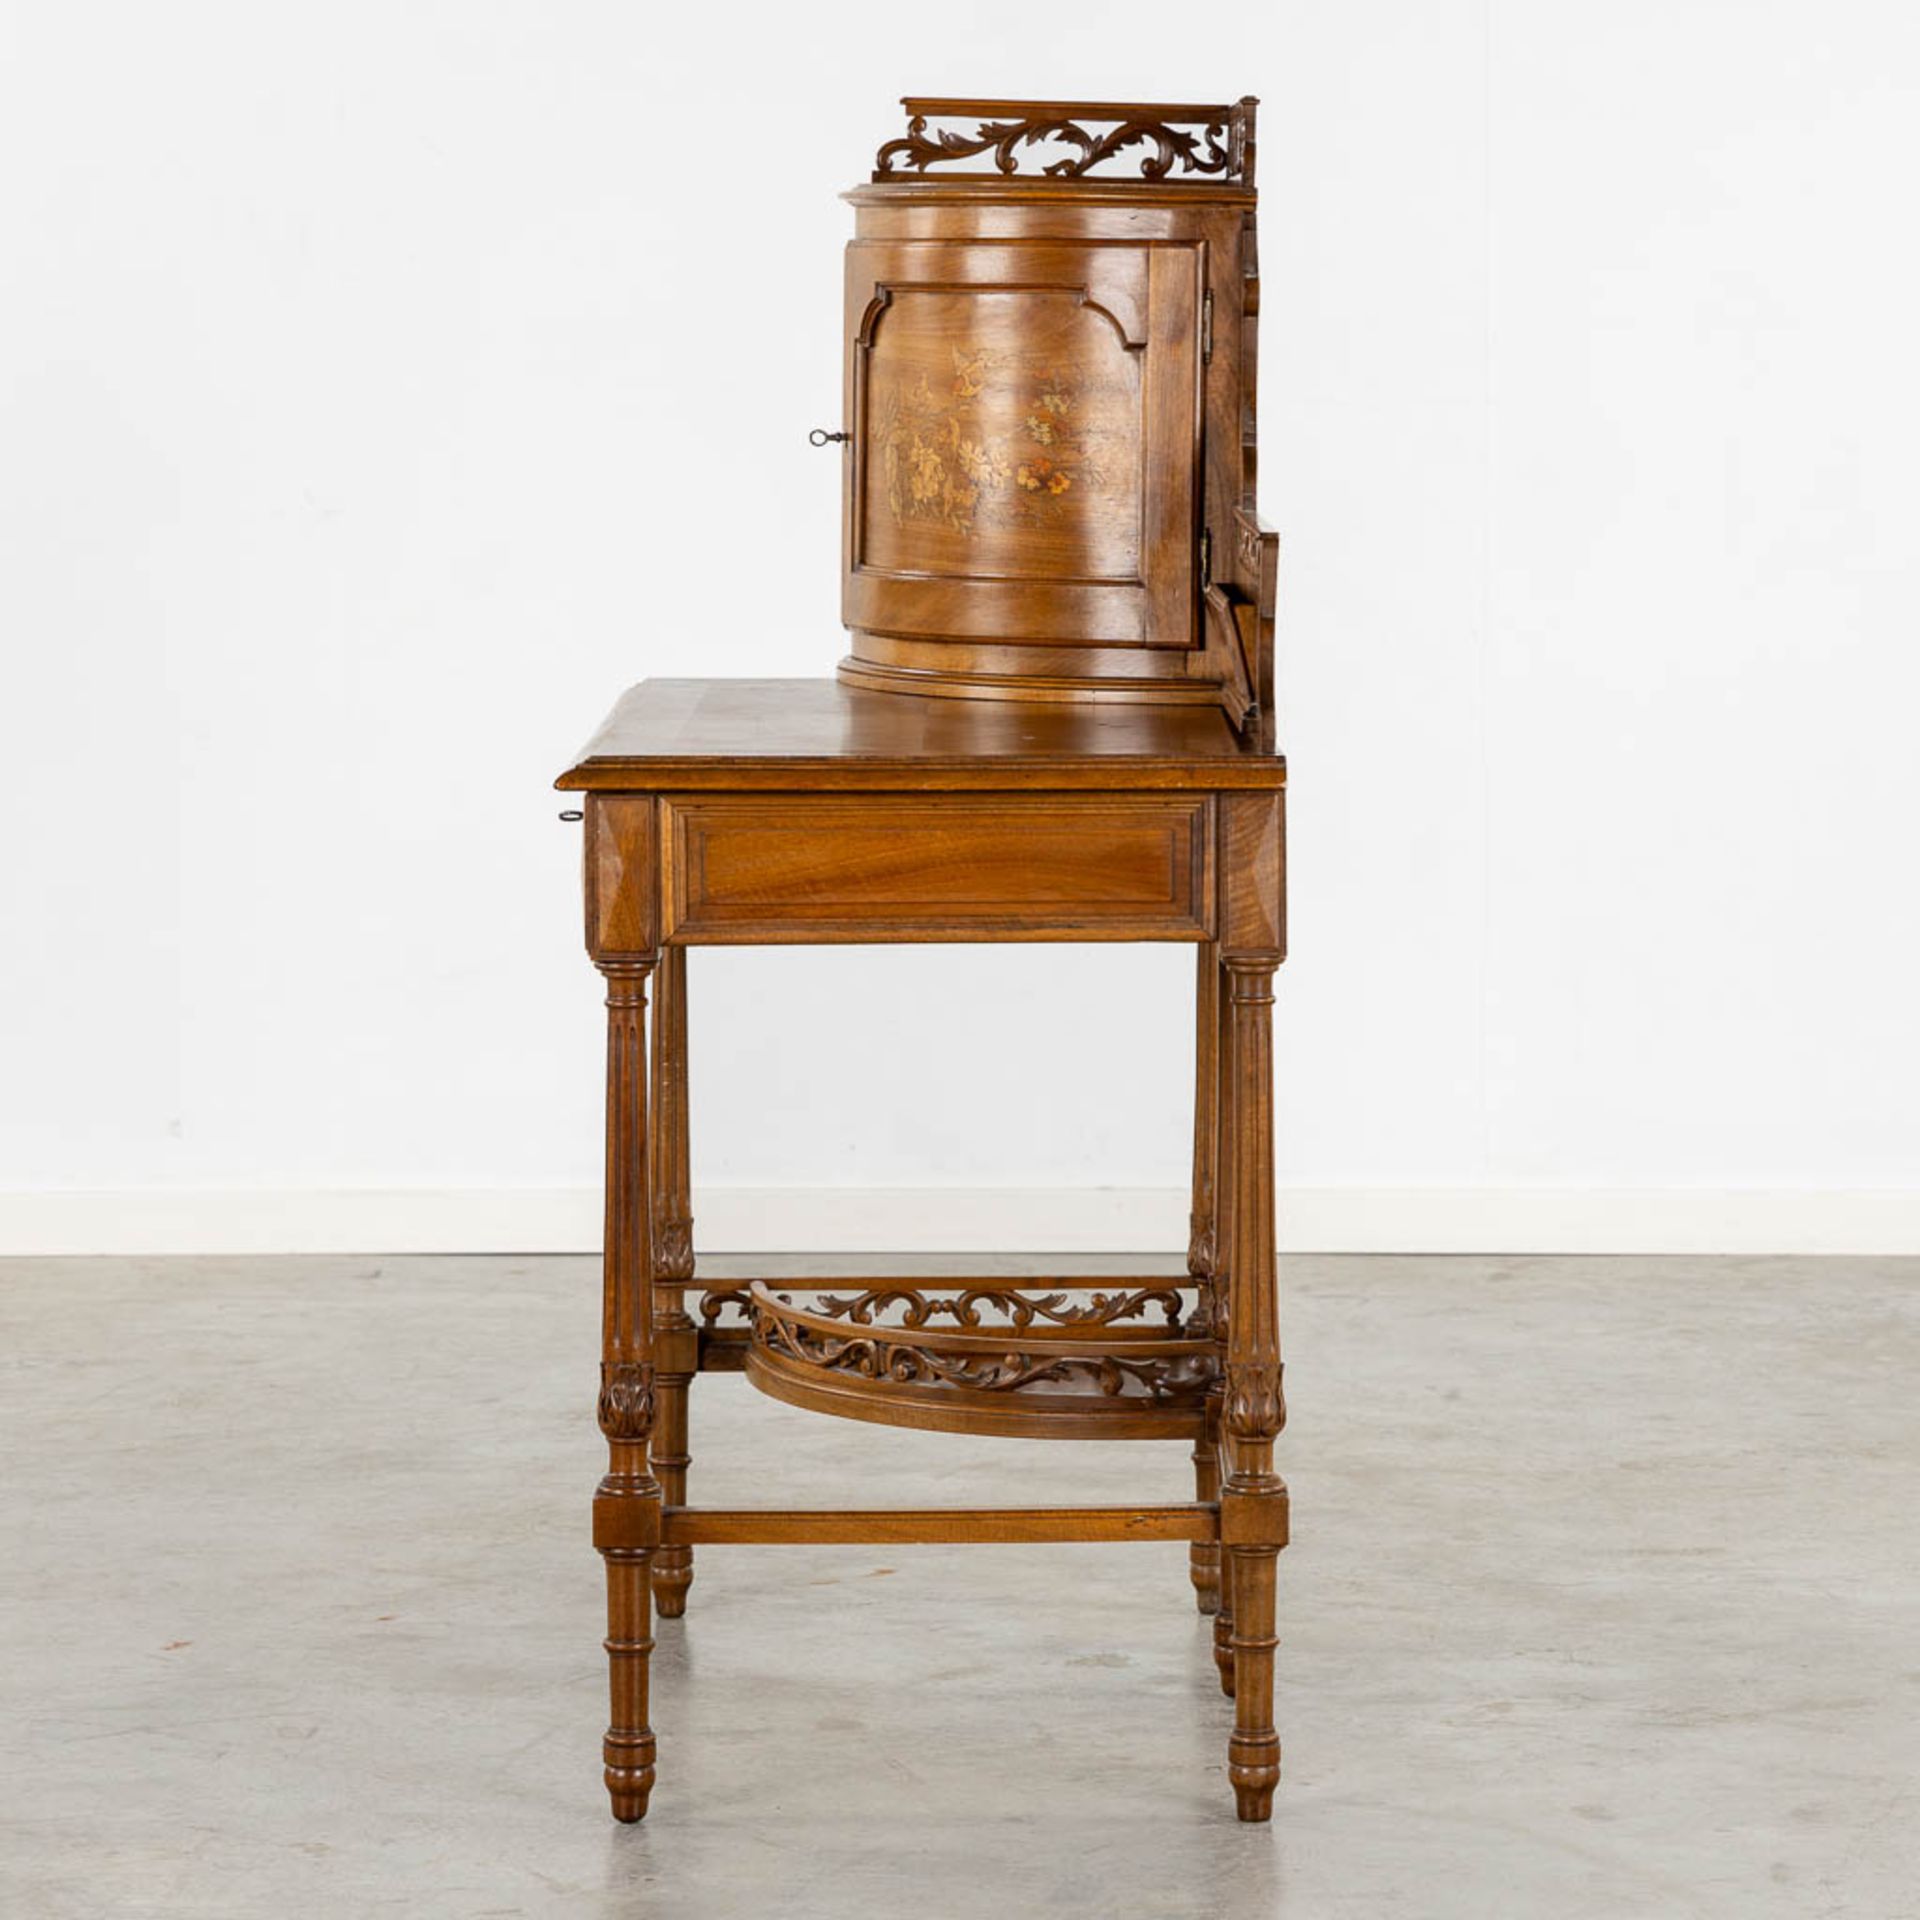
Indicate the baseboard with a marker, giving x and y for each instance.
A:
(1495, 1220)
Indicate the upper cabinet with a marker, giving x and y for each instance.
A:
(1049, 408)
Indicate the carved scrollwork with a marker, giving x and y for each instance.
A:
(626, 1400)
(717, 1301)
(917, 1309)
(1170, 1373)
(1218, 144)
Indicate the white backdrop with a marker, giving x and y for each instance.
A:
(387, 385)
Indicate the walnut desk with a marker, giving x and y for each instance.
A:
(749, 812)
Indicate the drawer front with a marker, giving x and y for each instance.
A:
(771, 868)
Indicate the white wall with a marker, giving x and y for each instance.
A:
(387, 385)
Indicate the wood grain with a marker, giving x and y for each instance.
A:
(935, 1526)
(825, 868)
(666, 736)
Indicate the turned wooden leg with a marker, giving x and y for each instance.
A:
(626, 1508)
(1253, 1505)
(628, 1748)
(1223, 1618)
(1253, 1753)
(672, 1566)
(1203, 1557)
(1220, 1292)
(675, 1340)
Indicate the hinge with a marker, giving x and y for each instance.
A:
(1206, 327)
(1206, 558)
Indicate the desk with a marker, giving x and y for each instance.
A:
(729, 812)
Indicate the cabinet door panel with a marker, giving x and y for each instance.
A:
(1024, 423)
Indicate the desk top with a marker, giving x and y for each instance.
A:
(687, 735)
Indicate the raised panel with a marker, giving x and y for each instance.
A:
(1024, 422)
(884, 867)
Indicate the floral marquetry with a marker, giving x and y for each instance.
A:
(999, 447)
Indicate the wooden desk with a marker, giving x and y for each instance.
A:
(774, 811)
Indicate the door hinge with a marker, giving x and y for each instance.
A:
(1206, 559)
(1206, 327)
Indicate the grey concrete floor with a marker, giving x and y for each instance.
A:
(1604, 1601)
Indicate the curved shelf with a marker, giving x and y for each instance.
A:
(1045, 1371)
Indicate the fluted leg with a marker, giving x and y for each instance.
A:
(1201, 1234)
(674, 1333)
(1203, 1557)
(1253, 1517)
(626, 1508)
(1221, 1292)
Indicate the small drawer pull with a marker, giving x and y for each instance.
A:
(572, 814)
(820, 437)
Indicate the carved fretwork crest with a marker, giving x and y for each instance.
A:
(916, 1309)
(1213, 141)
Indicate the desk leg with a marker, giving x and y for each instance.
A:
(1222, 1293)
(1254, 1503)
(675, 1338)
(626, 1509)
(1223, 1617)
(1203, 1558)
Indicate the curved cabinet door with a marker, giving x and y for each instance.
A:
(1025, 421)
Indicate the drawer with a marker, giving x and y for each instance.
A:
(822, 867)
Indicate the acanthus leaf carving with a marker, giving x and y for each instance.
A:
(1256, 1407)
(673, 1248)
(626, 1400)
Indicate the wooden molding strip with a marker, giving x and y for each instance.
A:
(934, 1526)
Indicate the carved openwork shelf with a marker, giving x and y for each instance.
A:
(1039, 1367)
